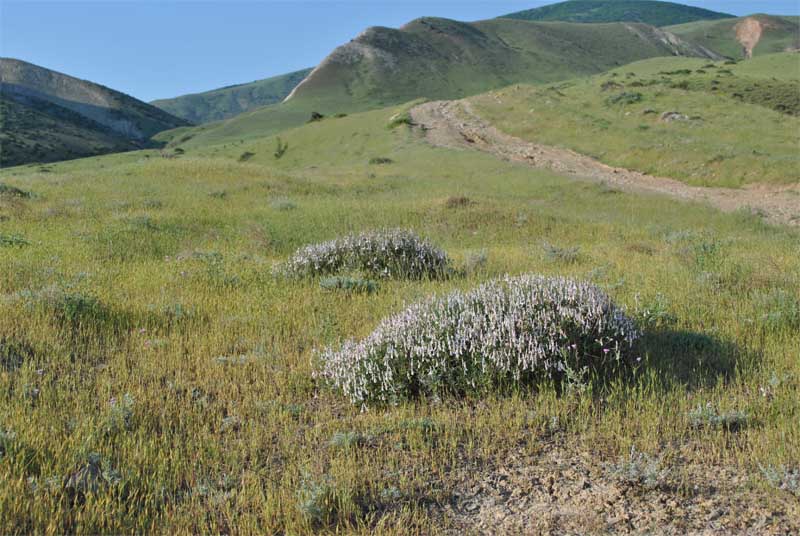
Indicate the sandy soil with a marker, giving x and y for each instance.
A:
(564, 491)
(455, 124)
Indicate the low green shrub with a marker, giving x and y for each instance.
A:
(7, 190)
(351, 284)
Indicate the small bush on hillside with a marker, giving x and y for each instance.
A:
(475, 261)
(640, 469)
(394, 253)
(709, 417)
(66, 305)
(624, 98)
(351, 284)
(245, 156)
(398, 119)
(459, 201)
(778, 309)
(11, 191)
(283, 204)
(507, 333)
(13, 354)
(13, 241)
(318, 501)
(280, 148)
(783, 478)
(561, 255)
(380, 160)
(315, 116)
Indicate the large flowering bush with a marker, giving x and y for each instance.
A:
(508, 332)
(394, 253)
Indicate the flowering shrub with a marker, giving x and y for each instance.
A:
(393, 253)
(508, 332)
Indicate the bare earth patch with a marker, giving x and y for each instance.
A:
(748, 33)
(455, 124)
(568, 491)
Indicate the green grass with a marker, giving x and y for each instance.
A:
(655, 13)
(154, 349)
(226, 102)
(738, 135)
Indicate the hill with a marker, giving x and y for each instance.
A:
(647, 11)
(49, 116)
(703, 123)
(226, 102)
(745, 36)
(443, 59)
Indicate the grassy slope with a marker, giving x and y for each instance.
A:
(183, 277)
(650, 12)
(441, 59)
(227, 102)
(735, 143)
(720, 36)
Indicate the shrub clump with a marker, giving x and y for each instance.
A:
(394, 253)
(12, 191)
(349, 284)
(509, 332)
(624, 98)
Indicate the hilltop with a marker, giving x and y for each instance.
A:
(49, 116)
(744, 36)
(226, 102)
(442, 59)
(647, 11)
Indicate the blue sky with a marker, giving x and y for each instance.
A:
(154, 49)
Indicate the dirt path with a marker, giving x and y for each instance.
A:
(454, 124)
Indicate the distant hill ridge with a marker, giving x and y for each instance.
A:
(226, 102)
(647, 11)
(50, 116)
(443, 58)
(438, 58)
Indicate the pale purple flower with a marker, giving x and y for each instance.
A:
(505, 330)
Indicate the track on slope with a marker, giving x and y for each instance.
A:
(455, 124)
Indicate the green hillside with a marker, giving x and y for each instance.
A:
(736, 124)
(647, 11)
(773, 34)
(443, 59)
(227, 102)
(49, 116)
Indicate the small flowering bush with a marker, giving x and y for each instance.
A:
(394, 253)
(508, 332)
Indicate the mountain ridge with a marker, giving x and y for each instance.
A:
(49, 116)
(656, 13)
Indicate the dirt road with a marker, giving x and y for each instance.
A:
(455, 124)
